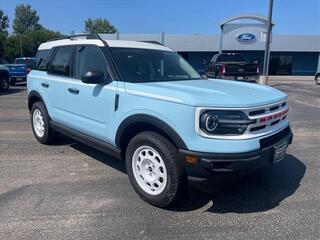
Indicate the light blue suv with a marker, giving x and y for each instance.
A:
(145, 103)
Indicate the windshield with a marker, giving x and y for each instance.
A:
(230, 58)
(25, 61)
(149, 65)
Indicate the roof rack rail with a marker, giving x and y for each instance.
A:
(153, 42)
(76, 36)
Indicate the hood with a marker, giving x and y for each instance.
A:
(209, 93)
(15, 65)
(2, 67)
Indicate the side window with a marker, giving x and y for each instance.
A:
(43, 59)
(89, 58)
(61, 62)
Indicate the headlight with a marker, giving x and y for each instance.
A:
(221, 122)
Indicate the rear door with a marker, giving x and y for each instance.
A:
(56, 81)
(91, 106)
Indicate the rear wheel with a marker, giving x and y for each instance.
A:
(155, 169)
(40, 123)
(317, 79)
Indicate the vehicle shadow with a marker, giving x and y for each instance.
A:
(225, 193)
(91, 152)
(256, 192)
(11, 91)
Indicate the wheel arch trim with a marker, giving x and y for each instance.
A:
(32, 94)
(150, 120)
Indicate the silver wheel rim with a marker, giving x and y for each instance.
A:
(38, 123)
(149, 170)
(5, 84)
(318, 79)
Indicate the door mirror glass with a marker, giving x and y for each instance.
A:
(94, 77)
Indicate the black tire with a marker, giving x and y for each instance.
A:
(48, 135)
(317, 79)
(176, 185)
(4, 84)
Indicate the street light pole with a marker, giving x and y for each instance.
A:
(264, 79)
(21, 54)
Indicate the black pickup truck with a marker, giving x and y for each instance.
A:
(232, 66)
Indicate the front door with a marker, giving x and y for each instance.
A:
(91, 106)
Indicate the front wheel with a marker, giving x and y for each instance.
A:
(4, 84)
(317, 79)
(155, 169)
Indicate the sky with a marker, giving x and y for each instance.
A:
(170, 16)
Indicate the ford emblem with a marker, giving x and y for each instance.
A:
(246, 37)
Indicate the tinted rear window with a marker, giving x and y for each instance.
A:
(61, 62)
(230, 58)
(43, 59)
(30, 62)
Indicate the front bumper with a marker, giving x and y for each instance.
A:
(208, 163)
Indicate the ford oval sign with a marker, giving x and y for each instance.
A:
(246, 37)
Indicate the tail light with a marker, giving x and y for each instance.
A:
(222, 70)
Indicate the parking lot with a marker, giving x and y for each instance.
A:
(70, 191)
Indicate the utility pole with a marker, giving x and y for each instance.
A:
(264, 77)
(21, 54)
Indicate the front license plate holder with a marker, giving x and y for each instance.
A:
(279, 150)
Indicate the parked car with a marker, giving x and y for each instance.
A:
(4, 78)
(146, 104)
(317, 78)
(232, 66)
(20, 69)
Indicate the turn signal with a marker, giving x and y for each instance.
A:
(191, 159)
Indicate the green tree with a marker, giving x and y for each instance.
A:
(26, 19)
(99, 25)
(30, 42)
(4, 24)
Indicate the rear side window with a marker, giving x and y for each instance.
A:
(61, 63)
(89, 58)
(43, 59)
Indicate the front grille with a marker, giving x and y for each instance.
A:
(257, 112)
(267, 117)
(257, 128)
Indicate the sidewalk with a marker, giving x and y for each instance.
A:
(291, 78)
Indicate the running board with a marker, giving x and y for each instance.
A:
(87, 140)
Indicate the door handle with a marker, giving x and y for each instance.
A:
(45, 85)
(73, 90)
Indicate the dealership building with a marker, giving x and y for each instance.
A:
(246, 34)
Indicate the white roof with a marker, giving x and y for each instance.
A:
(111, 43)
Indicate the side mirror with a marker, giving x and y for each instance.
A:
(94, 77)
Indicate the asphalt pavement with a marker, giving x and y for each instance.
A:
(70, 191)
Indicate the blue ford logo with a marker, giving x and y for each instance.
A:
(246, 37)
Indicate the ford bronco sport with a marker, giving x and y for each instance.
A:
(144, 103)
